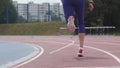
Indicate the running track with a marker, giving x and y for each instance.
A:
(61, 52)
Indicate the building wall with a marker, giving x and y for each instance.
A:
(39, 12)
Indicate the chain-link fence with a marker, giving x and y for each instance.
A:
(33, 12)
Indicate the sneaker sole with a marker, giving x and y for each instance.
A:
(71, 25)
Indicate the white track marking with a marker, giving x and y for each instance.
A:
(95, 67)
(115, 57)
(52, 42)
(32, 59)
(54, 51)
(103, 43)
(25, 60)
(108, 53)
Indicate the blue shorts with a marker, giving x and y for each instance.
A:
(75, 7)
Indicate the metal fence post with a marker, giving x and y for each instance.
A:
(0, 19)
(27, 13)
(7, 14)
(59, 12)
(17, 14)
(38, 12)
(49, 17)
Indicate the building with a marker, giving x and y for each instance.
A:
(57, 10)
(39, 12)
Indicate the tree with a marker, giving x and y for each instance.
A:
(8, 12)
(2, 5)
(111, 16)
(106, 11)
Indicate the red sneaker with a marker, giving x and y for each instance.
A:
(80, 53)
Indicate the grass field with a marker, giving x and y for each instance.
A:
(37, 28)
(46, 28)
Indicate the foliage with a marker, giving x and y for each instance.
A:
(43, 28)
(8, 12)
(106, 12)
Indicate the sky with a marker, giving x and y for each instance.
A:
(38, 1)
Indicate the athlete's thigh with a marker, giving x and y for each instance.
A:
(68, 9)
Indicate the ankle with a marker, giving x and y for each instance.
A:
(81, 48)
(71, 18)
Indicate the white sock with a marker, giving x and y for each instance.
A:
(81, 48)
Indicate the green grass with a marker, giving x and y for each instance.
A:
(37, 28)
(117, 33)
(45, 28)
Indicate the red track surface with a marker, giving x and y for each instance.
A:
(55, 57)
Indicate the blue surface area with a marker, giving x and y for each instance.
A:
(12, 51)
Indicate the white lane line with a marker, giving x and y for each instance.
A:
(115, 57)
(54, 51)
(38, 51)
(109, 43)
(52, 42)
(110, 54)
(32, 59)
(95, 67)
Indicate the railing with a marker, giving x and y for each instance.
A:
(99, 30)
